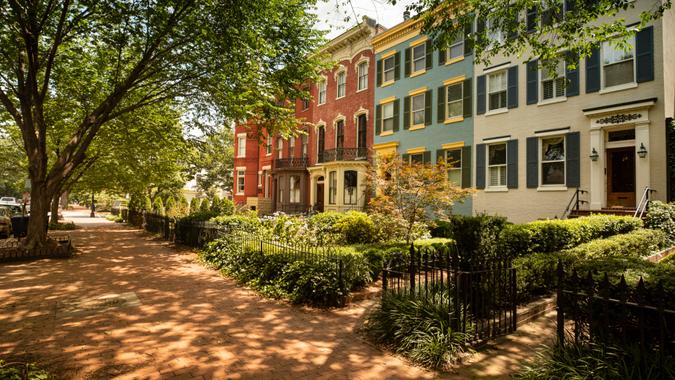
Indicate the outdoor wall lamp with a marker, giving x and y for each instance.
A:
(594, 155)
(642, 152)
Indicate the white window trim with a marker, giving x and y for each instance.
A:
(503, 187)
(619, 87)
(540, 164)
(461, 159)
(280, 149)
(382, 131)
(335, 127)
(240, 145)
(487, 92)
(448, 58)
(393, 70)
(414, 72)
(291, 190)
(366, 62)
(493, 42)
(412, 111)
(337, 83)
(447, 101)
(269, 143)
(260, 178)
(540, 84)
(243, 177)
(323, 81)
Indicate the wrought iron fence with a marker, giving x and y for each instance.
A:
(198, 234)
(592, 310)
(291, 163)
(343, 154)
(480, 302)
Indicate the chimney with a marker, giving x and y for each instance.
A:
(406, 15)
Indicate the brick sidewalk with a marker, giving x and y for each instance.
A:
(133, 307)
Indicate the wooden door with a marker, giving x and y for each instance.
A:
(621, 177)
(319, 197)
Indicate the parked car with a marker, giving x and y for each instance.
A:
(9, 201)
(5, 222)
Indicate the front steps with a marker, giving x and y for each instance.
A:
(606, 211)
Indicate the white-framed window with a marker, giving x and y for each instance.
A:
(241, 181)
(266, 186)
(497, 165)
(340, 134)
(241, 145)
(416, 158)
(388, 69)
(350, 185)
(618, 65)
(497, 83)
(494, 34)
(280, 148)
(552, 160)
(260, 179)
(268, 146)
(294, 187)
(455, 100)
(453, 158)
(417, 103)
(362, 71)
(388, 117)
(304, 145)
(305, 103)
(322, 91)
(419, 58)
(291, 147)
(553, 83)
(456, 48)
(332, 187)
(341, 84)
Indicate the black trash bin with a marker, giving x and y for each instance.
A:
(20, 225)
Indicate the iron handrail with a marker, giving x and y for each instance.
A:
(644, 203)
(575, 200)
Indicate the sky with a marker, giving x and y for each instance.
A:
(332, 13)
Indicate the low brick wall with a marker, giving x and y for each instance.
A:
(11, 250)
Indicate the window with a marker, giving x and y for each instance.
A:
(416, 158)
(494, 34)
(419, 58)
(260, 179)
(280, 147)
(497, 90)
(340, 134)
(363, 76)
(321, 143)
(553, 84)
(332, 187)
(388, 117)
(456, 49)
(266, 177)
(268, 146)
(350, 196)
(417, 109)
(322, 92)
(305, 103)
(291, 147)
(618, 65)
(341, 84)
(240, 181)
(304, 145)
(294, 189)
(454, 160)
(241, 145)
(553, 160)
(455, 105)
(497, 165)
(553, 14)
(388, 69)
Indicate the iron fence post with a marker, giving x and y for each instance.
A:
(412, 268)
(560, 321)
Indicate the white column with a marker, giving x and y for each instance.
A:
(642, 168)
(598, 175)
(312, 189)
(339, 200)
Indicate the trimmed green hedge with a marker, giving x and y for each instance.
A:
(379, 253)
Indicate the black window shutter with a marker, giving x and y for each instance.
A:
(427, 157)
(466, 167)
(570, 5)
(406, 158)
(440, 112)
(408, 60)
(378, 119)
(573, 153)
(480, 166)
(512, 93)
(468, 45)
(480, 29)
(532, 147)
(593, 71)
(480, 95)
(512, 164)
(397, 106)
(397, 66)
(467, 101)
(406, 112)
(440, 156)
(379, 73)
(532, 82)
(572, 76)
(441, 56)
(644, 54)
(531, 19)
(427, 107)
(430, 54)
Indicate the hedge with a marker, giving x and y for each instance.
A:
(378, 254)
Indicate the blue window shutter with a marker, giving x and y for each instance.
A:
(644, 54)
(429, 54)
(466, 167)
(532, 82)
(467, 102)
(512, 92)
(442, 53)
(480, 166)
(440, 156)
(440, 112)
(397, 65)
(572, 77)
(406, 112)
(407, 62)
(378, 119)
(593, 71)
(531, 19)
(572, 155)
(468, 45)
(532, 146)
(379, 73)
(428, 114)
(480, 95)
(397, 111)
(512, 164)
(427, 157)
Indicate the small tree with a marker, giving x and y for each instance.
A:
(171, 207)
(147, 204)
(194, 205)
(158, 206)
(204, 207)
(216, 205)
(183, 206)
(409, 194)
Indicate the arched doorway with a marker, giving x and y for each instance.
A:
(318, 205)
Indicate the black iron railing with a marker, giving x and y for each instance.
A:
(343, 154)
(294, 208)
(290, 163)
(575, 203)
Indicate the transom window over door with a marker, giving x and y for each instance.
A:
(497, 165)
(419, 60)
(553, 160)
(497, 90)
(456, 49)
(341, 84)
(553, 83)
(618, 65)
(417, 109)
(388, 69)
(453, 159)
(455, 105)
(363, 75)
(388, 117)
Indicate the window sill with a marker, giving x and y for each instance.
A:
(551, 188)
(454, 60)
(361, 90)
(386, 133)
(320, 104)
(497, 112)
(417, 127)
(417, 73)
(496, 189)
(238, 194)
(617, 88)
(340, 97)
(455, 119)
(385, 84)
(552, 101)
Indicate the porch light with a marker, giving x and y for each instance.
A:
(643, 151)
(594, 155)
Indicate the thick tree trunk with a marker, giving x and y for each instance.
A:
(55, 209)
(37, 224)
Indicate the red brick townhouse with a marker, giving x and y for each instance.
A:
(324, 166)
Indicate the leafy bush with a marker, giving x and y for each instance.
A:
(21, 371)
(69, 226)
(417, 328)
(322, 225)
(226, 207)
(288, 229)
(195, 205)
(199, 216)
(204, 205)
(147, 204)
(158, 206)
(356, 228)
(182, 207)
(112, 218)
(476, 236)
(661, 216)
(239, 222)
(642, 242)
(170, 207)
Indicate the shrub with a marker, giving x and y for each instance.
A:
(199, 216)
(195, 204)
(661, 216)
(170, 207)
(20, 371)
(183, 207)
(322, 225)
(246, 223)
(69, 226)
(215, 204)
(147, 204)
(204, 205)
(288, 229)
(641, 242)
(356, 228)
(158, 206)
(226, 207)
(476, 236)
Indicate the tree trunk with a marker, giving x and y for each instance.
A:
(55, 209)
(37, 224)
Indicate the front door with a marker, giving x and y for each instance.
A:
(319, 197)
(621, 177)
